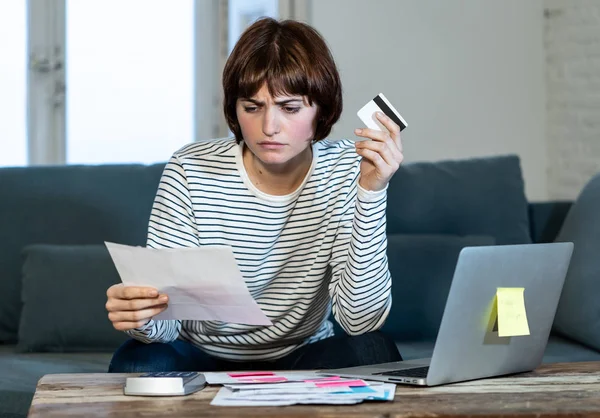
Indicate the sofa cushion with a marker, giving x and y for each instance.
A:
(562, 350)
(64, 297)
(21, 372)
(72, 205)
(477, 196)
(578, 316)
(14, 404)
(558, 350)
(422, 267)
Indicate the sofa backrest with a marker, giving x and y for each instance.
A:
(475, 196)
(67, 205)
(434, 210)
(546, 219)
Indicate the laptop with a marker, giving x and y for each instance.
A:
(468, 346)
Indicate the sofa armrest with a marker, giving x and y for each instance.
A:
(546, 219)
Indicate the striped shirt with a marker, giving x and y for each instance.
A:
(303, 256)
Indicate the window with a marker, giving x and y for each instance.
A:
(130, 95)
(242, 13)
(13, 44)
(112, 81)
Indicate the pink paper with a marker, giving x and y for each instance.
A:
(246, 374)
(341, 383)
(323, 379)
(266, 379)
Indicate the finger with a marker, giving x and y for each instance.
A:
(380, 147)
(135, 316)
(126, 326)
(389, 124)
(392, 127)
(127, 292)
(384, 170)
(380, 136)
(373, 134)
(135, 292)
(115, 305)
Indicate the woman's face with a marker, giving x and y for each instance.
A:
(276, 129)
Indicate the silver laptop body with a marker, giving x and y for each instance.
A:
(467, 345)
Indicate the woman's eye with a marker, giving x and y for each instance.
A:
(291, 109)
(250, 109)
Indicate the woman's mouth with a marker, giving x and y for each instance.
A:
(271, 145)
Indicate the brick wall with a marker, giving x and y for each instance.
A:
(572, 44)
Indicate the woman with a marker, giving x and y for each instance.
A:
(305, 218)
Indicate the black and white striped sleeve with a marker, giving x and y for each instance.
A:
(360, 286)
(172, 225)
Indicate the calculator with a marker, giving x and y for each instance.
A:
(164, 384)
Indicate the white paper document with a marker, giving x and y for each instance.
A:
(203, 283)
(270, 388)
(248, 379)
(309, 395)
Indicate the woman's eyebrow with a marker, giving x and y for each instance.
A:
(279, 102)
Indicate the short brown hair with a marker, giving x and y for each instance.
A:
(292, 58)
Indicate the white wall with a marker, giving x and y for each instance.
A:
(572, 39)
(467, 75)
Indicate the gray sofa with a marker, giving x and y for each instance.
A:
(54, 270)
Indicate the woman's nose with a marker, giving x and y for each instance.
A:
(271, 123)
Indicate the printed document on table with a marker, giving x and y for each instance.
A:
(228, 396)
(258, 377)
(203, 283)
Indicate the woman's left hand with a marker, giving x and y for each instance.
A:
(381, 156)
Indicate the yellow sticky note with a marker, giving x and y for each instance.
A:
(512, 317)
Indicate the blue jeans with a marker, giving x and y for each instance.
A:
(331, 353)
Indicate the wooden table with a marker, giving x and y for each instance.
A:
(562, 389)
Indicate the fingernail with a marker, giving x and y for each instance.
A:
(163, 299)
(358, 131)
(153, 293)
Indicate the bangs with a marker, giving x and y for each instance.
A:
(281, 73)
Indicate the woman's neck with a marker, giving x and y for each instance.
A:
(277, 180)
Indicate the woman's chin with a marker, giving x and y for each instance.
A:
(273, 160)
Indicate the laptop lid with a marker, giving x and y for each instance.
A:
(468, 345)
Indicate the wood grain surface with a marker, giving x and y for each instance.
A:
(553, 390)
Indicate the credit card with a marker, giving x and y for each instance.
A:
(380, 103)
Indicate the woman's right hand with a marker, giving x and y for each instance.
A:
(132, 307)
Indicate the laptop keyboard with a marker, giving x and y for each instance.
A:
(416, 372)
